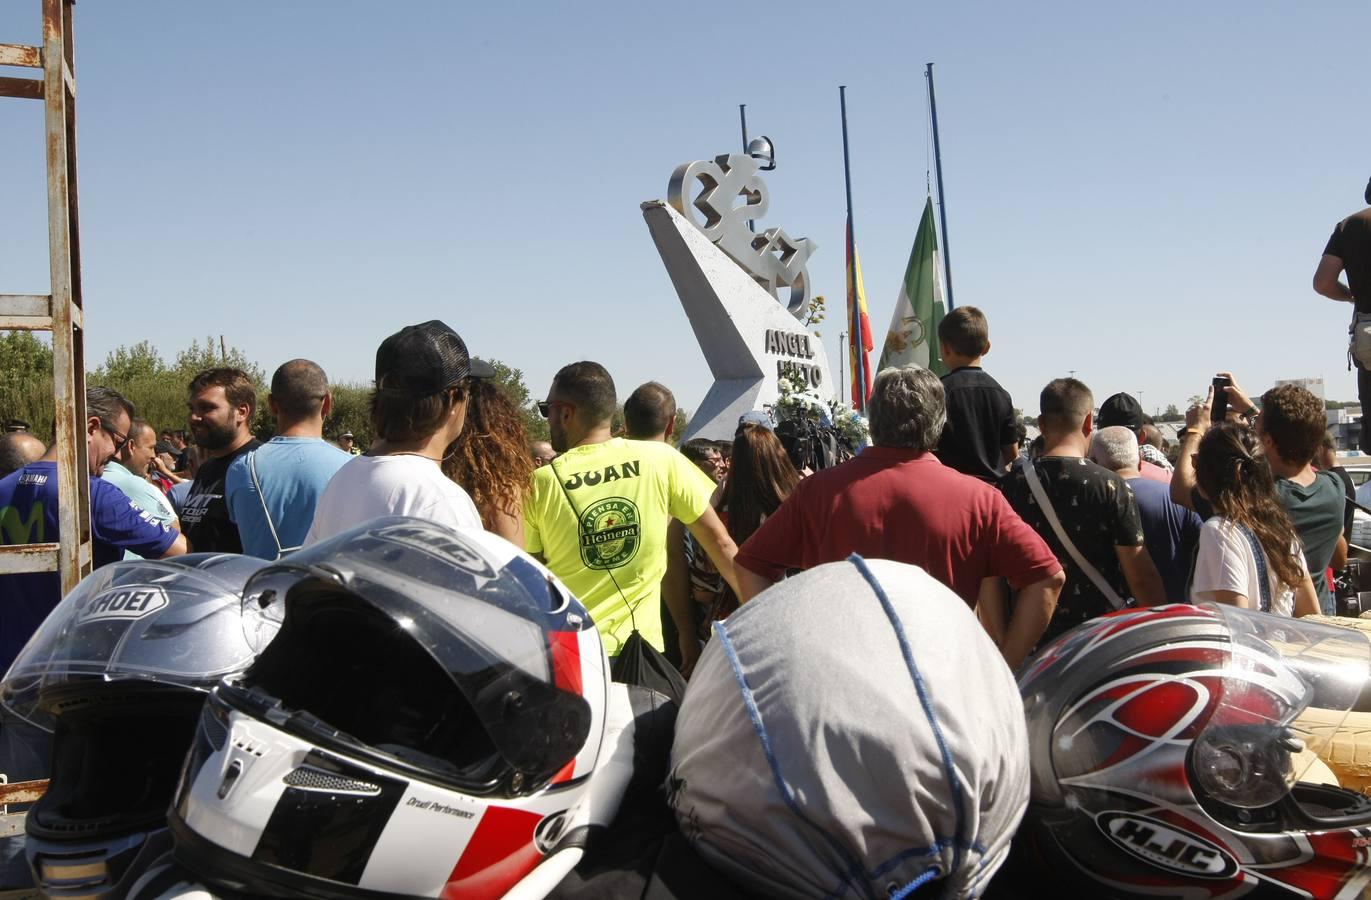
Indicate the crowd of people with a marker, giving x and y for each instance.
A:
(1091, 517)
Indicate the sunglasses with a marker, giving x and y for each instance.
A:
(120, 440)
(545, 406)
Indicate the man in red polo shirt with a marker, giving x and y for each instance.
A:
(897, 501)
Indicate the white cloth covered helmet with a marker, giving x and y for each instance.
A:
(424, 725)
(852, 732)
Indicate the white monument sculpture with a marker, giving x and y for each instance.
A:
(727, 277)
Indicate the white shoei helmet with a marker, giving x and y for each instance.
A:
(118, 672)
(425, 724)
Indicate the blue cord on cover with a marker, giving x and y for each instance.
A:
(755, 715)
(914, 885)
(921, 689)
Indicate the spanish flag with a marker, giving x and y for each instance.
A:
(859, 327)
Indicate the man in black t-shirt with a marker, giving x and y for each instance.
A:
(1349, 250)
(221, 403)
(981, 434)
(1094, 506)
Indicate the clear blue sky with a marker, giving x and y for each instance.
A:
(1136, 192)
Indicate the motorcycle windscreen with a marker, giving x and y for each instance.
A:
(1276, 704)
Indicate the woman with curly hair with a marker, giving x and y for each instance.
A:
(490, 460)
(1248, 555)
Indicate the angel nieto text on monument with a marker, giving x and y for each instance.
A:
(793, 346)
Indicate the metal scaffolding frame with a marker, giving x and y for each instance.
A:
(61, 311)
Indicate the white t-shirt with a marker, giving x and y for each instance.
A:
(369, 487)
(1225, 563)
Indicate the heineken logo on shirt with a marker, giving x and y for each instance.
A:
(609, 533)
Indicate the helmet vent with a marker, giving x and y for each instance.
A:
(215, 731)
(312, 779)
(249, 747)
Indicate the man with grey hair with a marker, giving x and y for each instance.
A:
(1171, 530)
(29, 515)
(128, 471)
(1089, 504)
(897, 501)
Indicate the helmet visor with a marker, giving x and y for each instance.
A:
(428, 645)
(169, 621)
(1279, 700)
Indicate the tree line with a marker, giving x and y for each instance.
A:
(157, 387)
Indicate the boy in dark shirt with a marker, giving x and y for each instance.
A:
(980, 437)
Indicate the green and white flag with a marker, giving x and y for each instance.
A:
(913, 335)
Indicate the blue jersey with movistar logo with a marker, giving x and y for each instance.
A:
(28, 515)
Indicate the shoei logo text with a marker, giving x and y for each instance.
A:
(131, 602)
(1165, 846)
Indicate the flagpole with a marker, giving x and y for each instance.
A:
(855, 327)
(942, 207)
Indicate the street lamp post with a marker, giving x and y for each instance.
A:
(842, 352)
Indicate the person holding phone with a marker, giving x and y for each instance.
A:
(1248, 554)
(1289, 429)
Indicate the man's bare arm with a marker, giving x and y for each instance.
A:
(1183, 478)
(1326, 279)
(1339, 554)
(178, 547)
(1032, 611)
(1141, 573)
(751, 583)
(992, 608)
(714, 539)
(676, 594)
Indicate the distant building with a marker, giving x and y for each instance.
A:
(1312, 385)
(1345, 426)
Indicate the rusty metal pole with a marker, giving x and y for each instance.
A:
(69, 377)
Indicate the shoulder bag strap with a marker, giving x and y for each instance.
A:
(1263, 579)
(580, 531)
(261, 498)
(1035, 485)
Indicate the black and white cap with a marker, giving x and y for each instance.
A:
(852, 732)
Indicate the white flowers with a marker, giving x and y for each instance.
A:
(796, 405)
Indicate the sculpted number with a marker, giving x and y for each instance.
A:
(773, 258)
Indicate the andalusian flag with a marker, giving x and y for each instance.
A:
(913, 336)
(859, 327)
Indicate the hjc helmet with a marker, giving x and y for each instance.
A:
(425, 724)
(1173, 751)
(118, 672)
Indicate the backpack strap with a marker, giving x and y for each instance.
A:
(1260, 556)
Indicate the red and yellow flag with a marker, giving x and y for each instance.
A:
(859, 327)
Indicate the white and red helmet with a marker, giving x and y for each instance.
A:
(1175, 752)
(425, 724)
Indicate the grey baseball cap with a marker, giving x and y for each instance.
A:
(852, 731)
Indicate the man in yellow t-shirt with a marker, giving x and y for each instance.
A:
(598, 513)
